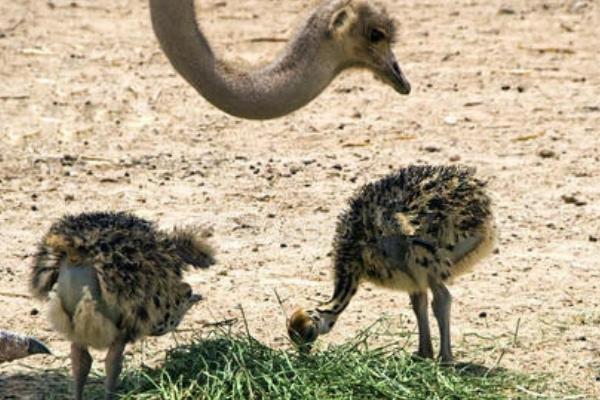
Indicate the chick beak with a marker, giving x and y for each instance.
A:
(305, 348)
(34, 346)
(195, 298)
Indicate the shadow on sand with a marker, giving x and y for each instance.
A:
(54, 384)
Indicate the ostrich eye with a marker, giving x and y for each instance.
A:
(376, 36)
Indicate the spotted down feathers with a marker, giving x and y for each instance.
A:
(138, 269)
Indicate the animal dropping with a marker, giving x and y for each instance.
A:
(111, 278)
(414, 231)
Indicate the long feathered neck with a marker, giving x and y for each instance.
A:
(346, 255)
(345, 287)
(303, 70)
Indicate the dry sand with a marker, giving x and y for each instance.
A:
(93, 117)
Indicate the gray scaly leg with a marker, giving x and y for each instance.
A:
(441, 303)
(113, 365)
(81, 362)
(419, 305)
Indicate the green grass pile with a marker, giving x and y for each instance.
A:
(227, 366)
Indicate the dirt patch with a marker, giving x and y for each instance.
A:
(94, 117)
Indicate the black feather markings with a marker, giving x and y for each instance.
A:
(140, 266)
(425, 194)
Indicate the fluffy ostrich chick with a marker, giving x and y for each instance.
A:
(414, 231)
(110, 279)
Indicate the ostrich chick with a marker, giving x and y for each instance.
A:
(413, 230)
(14, 346)
(113, 278)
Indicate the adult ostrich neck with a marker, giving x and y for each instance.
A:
(303, 70)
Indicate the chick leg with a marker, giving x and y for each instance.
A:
(81, 362)
(441, 303)
(113, 365)
(419, 306)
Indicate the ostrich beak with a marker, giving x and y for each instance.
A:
(34, 346)
(400, 83)
(195, 298)
(14, 346)
(390, 73)
(394, 76)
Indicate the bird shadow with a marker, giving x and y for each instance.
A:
(39, 384)
(54, 384)
(466, 368)
(36, 384)
(477, 370)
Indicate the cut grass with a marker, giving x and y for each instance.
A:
(228, 366)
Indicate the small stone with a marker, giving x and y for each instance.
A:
(572, 199)
(450, 120)
(34, 208)
(505, 10)
(34, 311)
(483, 314)
(582, 338)
(283, 245)
(454, 158)
(271, 215)
(505, 87)
(449, 56)
(593, 239)
(68, 160)
(578, 6)
(432, 149)
(337, 166)
(547, 153)
(69, 197)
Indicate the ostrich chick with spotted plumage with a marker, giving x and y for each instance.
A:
(112, 278)
(414, 230)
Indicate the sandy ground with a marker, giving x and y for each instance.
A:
(93, 117)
